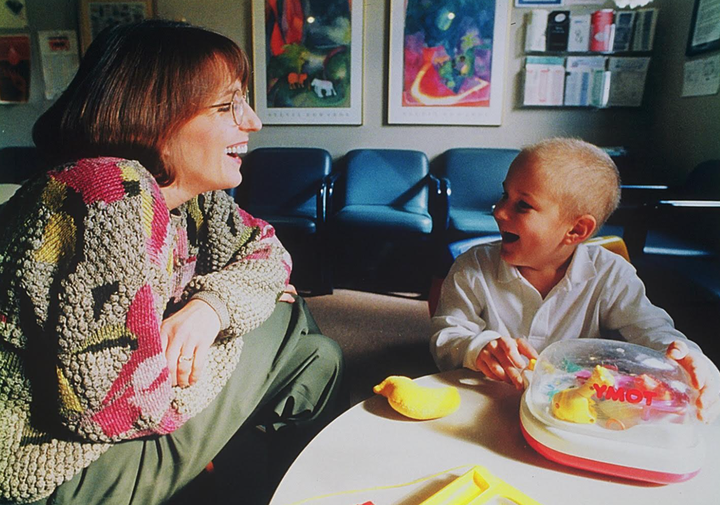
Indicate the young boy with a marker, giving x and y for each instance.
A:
(503, 302)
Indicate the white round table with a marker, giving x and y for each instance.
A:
(369, 449)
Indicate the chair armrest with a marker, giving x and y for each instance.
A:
(689, 204)
(645, 187)
(321, 202)
(634, 213)
(439, 202)
(639, 194)
(329, 189)
(644, 216)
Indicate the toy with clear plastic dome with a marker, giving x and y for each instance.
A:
(615, 408)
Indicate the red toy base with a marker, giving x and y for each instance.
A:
(606, 468)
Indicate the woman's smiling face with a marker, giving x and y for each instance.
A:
(204, 154)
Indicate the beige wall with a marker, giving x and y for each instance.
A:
(519, 126)
(682, 131)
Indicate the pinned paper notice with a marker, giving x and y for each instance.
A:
(702, 77)
(60, 60)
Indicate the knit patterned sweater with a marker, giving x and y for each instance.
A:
(91, 261)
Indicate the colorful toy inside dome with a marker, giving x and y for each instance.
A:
(613, 407)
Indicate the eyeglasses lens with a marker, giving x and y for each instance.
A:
(238, 107)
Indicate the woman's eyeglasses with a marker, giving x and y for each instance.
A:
(236, 105)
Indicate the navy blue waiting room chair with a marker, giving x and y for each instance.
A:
(471, 183)
(286, 186)
(381, 204)
(19, 163)
(681, 240)
(687, 222)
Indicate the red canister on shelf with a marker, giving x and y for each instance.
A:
(601, 27)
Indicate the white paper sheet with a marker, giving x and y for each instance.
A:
(60, 60)
(544, 81)
(702, 77)
(535, 29)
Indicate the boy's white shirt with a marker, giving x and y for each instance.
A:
(484, 298)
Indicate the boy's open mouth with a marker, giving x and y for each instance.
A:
(509, 238)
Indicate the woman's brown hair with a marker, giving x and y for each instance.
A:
(137, 84)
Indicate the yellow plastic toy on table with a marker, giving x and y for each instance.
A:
(418, 402)
(476, 487)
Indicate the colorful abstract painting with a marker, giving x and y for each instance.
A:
(14, 68)
(446, 61)
(307, 55)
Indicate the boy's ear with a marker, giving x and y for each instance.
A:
(582, 230)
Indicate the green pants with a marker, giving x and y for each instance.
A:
(287, 378)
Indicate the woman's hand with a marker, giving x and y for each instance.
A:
(502, 360)
(186, 337)
(288, 295)
(703, 378)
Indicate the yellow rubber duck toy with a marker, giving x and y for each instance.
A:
(575, 404)
(418, 402)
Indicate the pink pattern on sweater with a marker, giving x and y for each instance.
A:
(143, 384)
(160, 220)
(267, 234)
(266, 231)
(96, 180)
(118, 417)
(260, 254)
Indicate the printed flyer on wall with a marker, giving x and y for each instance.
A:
(60, 60)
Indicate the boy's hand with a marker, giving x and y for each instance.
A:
(702, 377)
(502, 360)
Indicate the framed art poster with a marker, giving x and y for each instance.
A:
(96, 15)
(307, 59)
(14, 68)
(447, 61)
(543, 3)
(12, 14)
(704, 28)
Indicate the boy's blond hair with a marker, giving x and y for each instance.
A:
(583, 176)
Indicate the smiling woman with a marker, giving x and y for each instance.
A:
(204, 152)
(115, 107)
(144, 317)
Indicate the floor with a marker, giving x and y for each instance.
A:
(380, 335)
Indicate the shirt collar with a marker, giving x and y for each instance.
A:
(580, 270)
(507, 273)
(581, 267)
